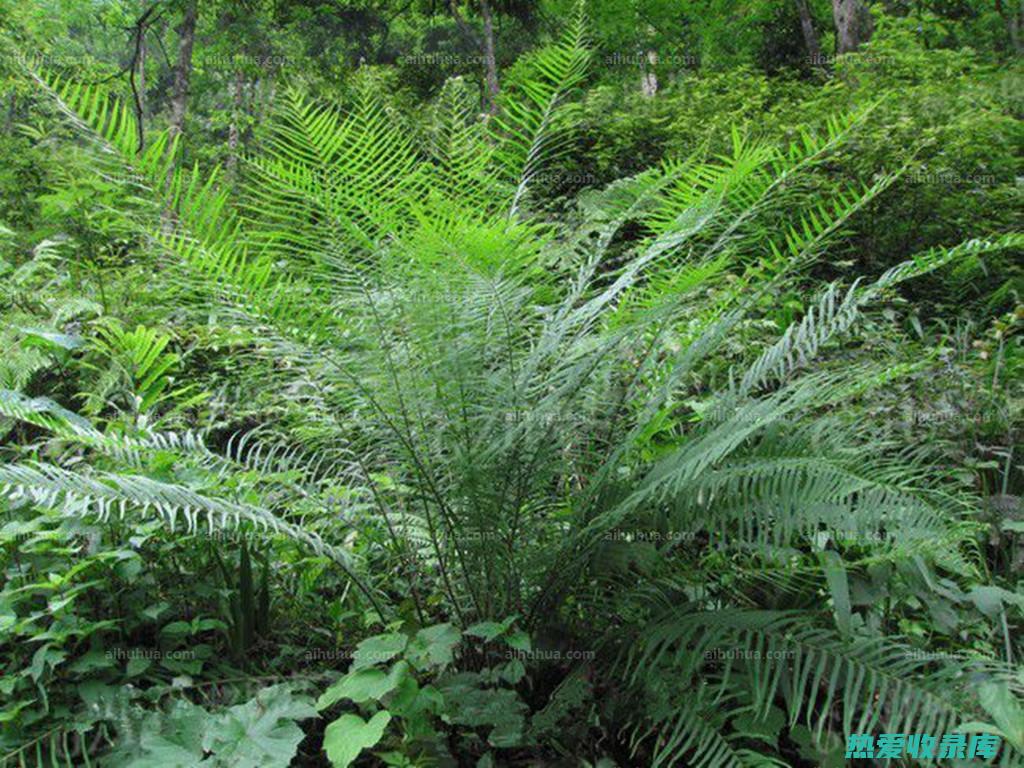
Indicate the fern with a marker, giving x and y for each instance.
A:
(536, 125)
(495, 394)
(874, 684)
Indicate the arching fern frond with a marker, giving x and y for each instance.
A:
(332, 183)
(192, 218)
(849, 685)
(101, 493)
(535, 125)
(833, 314)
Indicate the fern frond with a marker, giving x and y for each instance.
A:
(834, 314)
(535, 125)
(101, 493)
(330, 182)
(777, 658)
(198, 226)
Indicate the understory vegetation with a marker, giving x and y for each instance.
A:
(593, 384)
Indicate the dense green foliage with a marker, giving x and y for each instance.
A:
(648, 395)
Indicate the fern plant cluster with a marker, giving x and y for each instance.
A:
(483, 483)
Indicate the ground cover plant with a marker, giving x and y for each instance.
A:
(537, 412)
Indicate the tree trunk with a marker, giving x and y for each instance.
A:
(234, 132)
(486, 46)
(649, 79)
(183, 70)
(179, 92)
(137, 74)
(490, 61)
(138, 83)
(852, 24)
(141, 77)
(810, 34)
(1013, 19)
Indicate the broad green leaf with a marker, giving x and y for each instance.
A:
(990, 599)
(364, 685)
(47, 655)
(1005, 710)
(520, 641)
(486, 630)
(378, 649)
(262, 731)
(434, 646)
(513, 671)
(349, 735)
